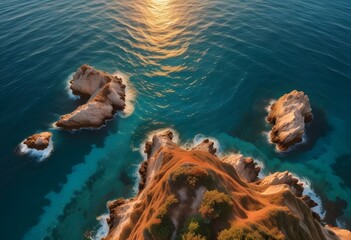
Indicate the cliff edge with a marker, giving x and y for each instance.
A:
(192, 194)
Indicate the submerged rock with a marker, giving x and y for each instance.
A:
(106, 96)
(38, 141)
(289, 115)
(192, 194)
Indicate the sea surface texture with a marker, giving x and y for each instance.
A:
(207, 67)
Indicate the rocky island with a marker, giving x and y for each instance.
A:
(194, 195)
(38, 145)
(288, 116)
(38, 141)
(105, 96)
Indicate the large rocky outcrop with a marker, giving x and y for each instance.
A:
(289, 115)
(192, 194)
(245, 167)
(106, 96)
(38, 141)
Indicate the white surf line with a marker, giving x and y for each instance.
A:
(40, 155)
(131, 94)
(68, 88)
(103, 230)
(308, 190)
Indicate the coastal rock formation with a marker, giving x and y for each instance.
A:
(38, 141)
(245, 167)
(289, 115)
(192, 194)
(106, 95)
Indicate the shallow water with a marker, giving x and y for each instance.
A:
(200, 67)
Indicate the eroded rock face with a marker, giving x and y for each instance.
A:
(244, 166)
(207, 146)
(191, 194)
(106, 96)
(289, 115)
(38, 141)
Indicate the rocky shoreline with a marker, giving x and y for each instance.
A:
(192, 194)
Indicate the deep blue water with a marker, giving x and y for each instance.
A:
(208, 67)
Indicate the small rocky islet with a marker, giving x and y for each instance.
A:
(289, 115)
(39, 141)
(105, 93)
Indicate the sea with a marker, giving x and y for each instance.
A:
(206, 68)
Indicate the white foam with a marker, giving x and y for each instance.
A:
(260, 164)
(103, 230)
(136, 175)
(267, 135)
(68, 88)
(308, 190)
(39, 154)
(340, 223)
(270, 103)
(198, 139)
(131, 94)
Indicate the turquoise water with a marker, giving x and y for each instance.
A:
(208, 67)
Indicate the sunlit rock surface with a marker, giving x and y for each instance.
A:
(106, 96)
(288, 116)
(38, 141)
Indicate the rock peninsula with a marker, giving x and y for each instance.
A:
(288, 116)
(105, 93)
(193, 194)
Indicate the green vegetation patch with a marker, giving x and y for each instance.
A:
(253, 232)
(195, 229)
(162, 227)
(215, 204)
(191, 176)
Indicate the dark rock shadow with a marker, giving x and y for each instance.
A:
(342, 167)
(334, 210)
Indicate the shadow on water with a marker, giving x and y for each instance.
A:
(334, 208)
(252, 123)
(342, 168)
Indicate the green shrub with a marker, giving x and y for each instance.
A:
(162, 227)
(247, 233)
(194, 229)
(215, 204)
(192, 176)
